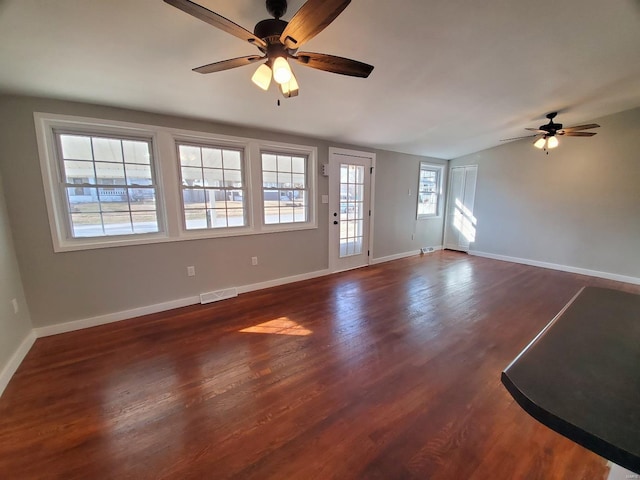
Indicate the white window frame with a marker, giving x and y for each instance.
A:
(245, 181)
(439, 169)
(50, 163)
(311, 185)
(167, 176)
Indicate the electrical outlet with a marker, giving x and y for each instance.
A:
(191, 271)
(16, 308)
(413, 236)
(254, 260)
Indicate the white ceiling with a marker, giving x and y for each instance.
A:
(451, 77)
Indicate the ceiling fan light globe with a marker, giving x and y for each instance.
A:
(291, 88)
(540, 143)
(281, 70)
(262, 77)
(552, 142)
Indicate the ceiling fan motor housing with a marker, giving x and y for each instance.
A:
(551, 128)
(270, 30)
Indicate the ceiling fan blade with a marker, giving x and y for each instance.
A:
(333, 64)
(517, 138)
(536, 130)
(581, 127)
(227, 64)
(217, 21)
(577, 134)
(311, 19)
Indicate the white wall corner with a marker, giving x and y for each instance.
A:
(398, 256)
(16, 359)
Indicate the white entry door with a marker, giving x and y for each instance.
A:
(460, 227)
(350, 175)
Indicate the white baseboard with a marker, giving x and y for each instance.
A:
(160, 307)
(563, 268)
(113, 317)
(282, 281)
(398, 256)
(15, 360)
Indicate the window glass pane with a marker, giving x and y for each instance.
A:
(189, 156)
(216, 198)
(144, 222)
(297, 181)
(104, 167)
(79, 172)
(138, 174)
(82, 200)
(107, 149)
(429, 189)
(269, 162)
(75, 147)
(195, 218)
(271, 206)
(193, 198)
(232, 159)
(113, 173)
(235, 217)
(113, 200)
(233, 178)
(213, 177)
(298, 164)
(344, 174)
(288, 203)
(86, 225)
(117, 223)
(192, 176)
(211, 207)
(143, 198)
(284, 163)
(284, 180)
(212, 157)
(136, 152)
(269, 179)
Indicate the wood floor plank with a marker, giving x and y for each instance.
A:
(390, 371)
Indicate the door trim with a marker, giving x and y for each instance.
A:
(332, 175)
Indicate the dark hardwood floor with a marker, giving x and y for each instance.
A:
(390, 371)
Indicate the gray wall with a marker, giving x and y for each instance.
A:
(395, 221)
(13, 328)
(579, 206)
(69, 286)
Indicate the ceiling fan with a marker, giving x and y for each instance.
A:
(279, 41)
(549, 132)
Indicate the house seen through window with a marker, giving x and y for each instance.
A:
(285, 188)
(214, 194)
(109, 185)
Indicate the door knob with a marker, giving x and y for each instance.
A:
(335, 222)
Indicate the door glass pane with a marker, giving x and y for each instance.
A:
(351, 209)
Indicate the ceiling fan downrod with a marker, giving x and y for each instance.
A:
(277, 8)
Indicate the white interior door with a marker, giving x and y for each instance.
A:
(349, 208)
(460, 227)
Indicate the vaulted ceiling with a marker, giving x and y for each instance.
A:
(451, 77)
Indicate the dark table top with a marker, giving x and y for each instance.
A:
(581, 375)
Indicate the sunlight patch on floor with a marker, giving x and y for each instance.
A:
(279, 326)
